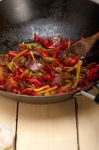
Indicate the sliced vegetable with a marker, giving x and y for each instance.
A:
(44, 67)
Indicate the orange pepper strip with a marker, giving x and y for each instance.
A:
(25, 73)
(39, 89)
(32, 55)
(78, 66)
(21, 53)
(48, 90)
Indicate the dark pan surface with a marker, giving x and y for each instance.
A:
(19, 19)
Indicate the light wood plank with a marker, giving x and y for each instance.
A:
(47, 127)
(88, 117)
(8, 113)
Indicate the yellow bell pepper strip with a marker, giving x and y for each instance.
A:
(30, 74)
(78, 67)
(49, 59)
(47, 94)
(69, 43)
(58, 69)
(20, 54)
(29, 45)
(69, 85)
(12, 66)
(42, 88)
(32, 55)
(39, 89)
(48, 90)
(1, 73)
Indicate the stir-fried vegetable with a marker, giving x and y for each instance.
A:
(44, 67)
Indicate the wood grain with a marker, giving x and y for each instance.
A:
(88, 122)
(47, 127)
(8, 113)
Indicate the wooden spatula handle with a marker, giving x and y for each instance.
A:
(90, 41)
(96, 36)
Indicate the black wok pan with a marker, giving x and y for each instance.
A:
(71, 19)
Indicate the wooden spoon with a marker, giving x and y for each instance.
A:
(82, 47)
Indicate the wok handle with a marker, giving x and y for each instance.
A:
(92, 97)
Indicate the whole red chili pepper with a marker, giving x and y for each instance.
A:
(70, 61)
(12, 54)
(48, 78)
(36, 37)
(52, 72)
(27, 92)
(43, 53)
(34, 80)
(44, 42)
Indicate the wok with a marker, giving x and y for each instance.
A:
(19, 19)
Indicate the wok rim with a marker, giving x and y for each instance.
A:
(44, 98)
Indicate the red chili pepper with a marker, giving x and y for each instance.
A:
(52, 72)
(21, 69)
(22, 47)
(92, 65)
(36, 37)
(35, 94)
(14, 90)
(71, 61)
(55, 47)
(55, 63)
(55, 53)
(16, 77)
(27, 92)
(62, 92)
(12, 54)
(93, 73)
(27, 55)
(64, 43)
(44, 42)
(1, 87)
(48, 78)
(35, 81)
(74, 60)
(48, 67)
(43, 53)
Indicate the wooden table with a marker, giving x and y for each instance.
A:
(69, 125)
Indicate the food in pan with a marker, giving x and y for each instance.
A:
(45, 67)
